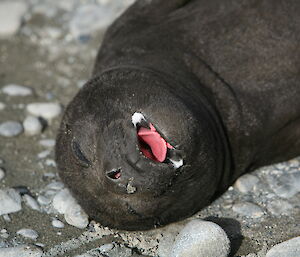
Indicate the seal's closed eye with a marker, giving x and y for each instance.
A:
(83, 161)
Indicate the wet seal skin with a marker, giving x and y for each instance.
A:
(185, 97)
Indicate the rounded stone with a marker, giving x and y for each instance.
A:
(246, 183)
(57, 223)
(289, 248)
(32, 125)
(47, 111)
(16, 90)
(10, 201)
(21, 251)
(10, 128)
(248, 209)
(201, 239)
(28, 233)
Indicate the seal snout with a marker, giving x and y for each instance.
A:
(152, 144)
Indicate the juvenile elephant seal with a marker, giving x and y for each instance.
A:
(185, 97)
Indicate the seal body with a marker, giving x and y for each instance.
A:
(217, 81)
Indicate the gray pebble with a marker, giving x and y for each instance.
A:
(279, 207)
(248, 209)
(31, 202)
(11, 14)
(56, 185)
(28, 233)
(106, 248)
(50, 163)
(62, 201)
(2, 106)
(43, 154)
(10, 128)
(10, 201)
(76, 217)
(289, 248)
(6, 217)
(43, 200)
(16, 90)
(47, 142)
(201, 239)
(32, 125)
(21, 251)
(246, 183)
(47, 111)
(2, 174)
(57, 223)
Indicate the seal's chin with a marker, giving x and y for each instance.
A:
(152, 144)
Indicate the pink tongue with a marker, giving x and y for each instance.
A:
(156, 143)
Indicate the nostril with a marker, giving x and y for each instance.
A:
(114, 174)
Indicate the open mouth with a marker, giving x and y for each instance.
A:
(152, 144)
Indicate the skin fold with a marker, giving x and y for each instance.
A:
(219, 81)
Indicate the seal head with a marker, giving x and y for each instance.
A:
(137, 154)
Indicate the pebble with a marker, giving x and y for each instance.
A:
(2, 174)
(10, 128)
(246, 183)
(55, 186)
(2, 106)
(106, 248)
(279, 207)
(32, 126)
(201, 239)
(31, 202)
(11, 14)
(286, 185)
(16, 90)
(289, 248)
(47, 142)
(28, 233)
(43, 154)
(50, 162)
(89, 18)
(43, 200)
(47, 111)
(57, 223)
(10, 201)
(62, 200)
(248, 209)
(76, 217)
(21, 251)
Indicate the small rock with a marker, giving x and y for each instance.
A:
(31, 202)
(201, 239)
(289, 248)
(10, 128)
(11, 14)
(63, 200)
(50, 162)
(76, 217)
(2, 106)
(10, 201)
(106, 248)
(43, 154)
(248, 209)
(21, 251)
(279, 207)
(16, 90)
(28, 233)
(47, 142)
(55, 185)
(246, 183)
(57, 223)
(6, 217)
(47, 111)
(2, 174)
(43, 200)
(32, 125)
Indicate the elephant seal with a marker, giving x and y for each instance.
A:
(186, 96)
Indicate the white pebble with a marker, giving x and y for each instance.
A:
(246, 183)
(201, 239)
(2, 106)
(43, 200)
(10, 201)
(55, 185)
(248, 209)
(16, 90)
(57, 223)
(2, 174)
(11, 14)
(43, 154)
(47, 142)
(32, 125)
(289, 248)
(106, 248)
(28, 233)
(47, 111)
(31, 202)
(76, 217)
(50, 162)
(21, 251)
(63, 200)
(10, 128)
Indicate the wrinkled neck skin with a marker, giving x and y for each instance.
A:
(177, 74)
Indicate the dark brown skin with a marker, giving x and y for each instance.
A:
(219, 80)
